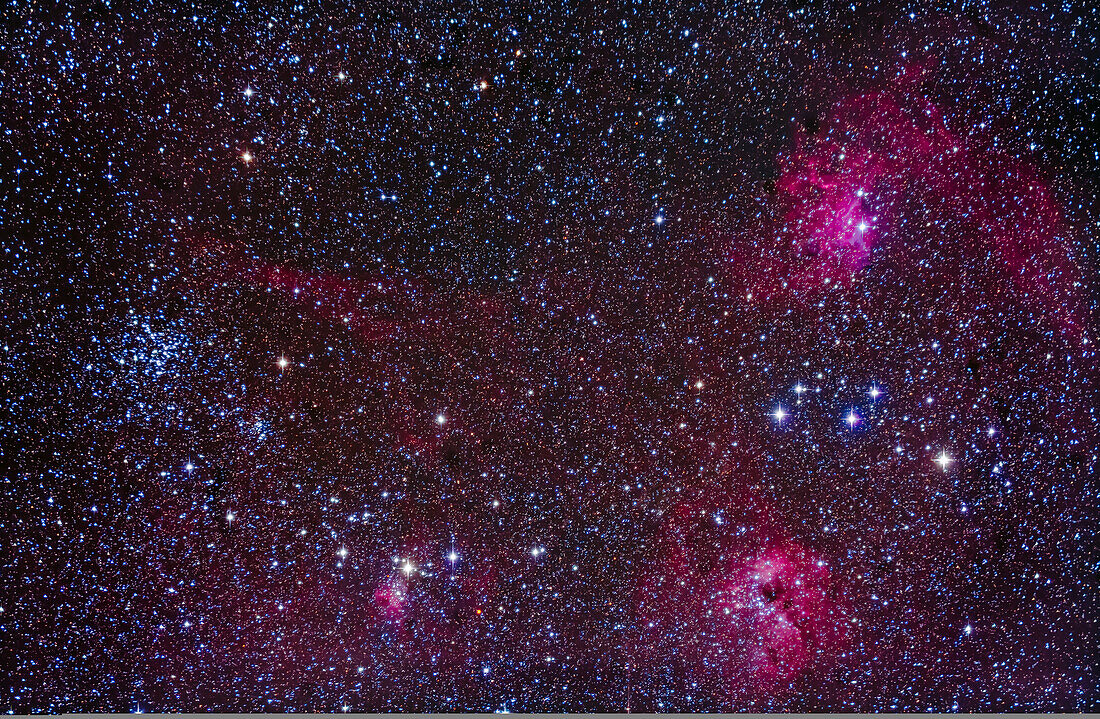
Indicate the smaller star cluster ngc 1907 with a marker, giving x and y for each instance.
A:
(534, 357)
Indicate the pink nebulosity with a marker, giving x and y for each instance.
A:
(779, 599)
(825, 184)
(733, 594)
(375, 308)
(391, 595)
(887, 165)
(828, 213)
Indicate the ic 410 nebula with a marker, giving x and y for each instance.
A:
(642, 358)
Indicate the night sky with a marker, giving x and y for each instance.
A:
(644, 357)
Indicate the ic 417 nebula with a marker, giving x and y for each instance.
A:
(649, 358)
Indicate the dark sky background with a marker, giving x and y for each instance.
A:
(548, 357)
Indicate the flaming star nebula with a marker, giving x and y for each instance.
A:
(646, 357)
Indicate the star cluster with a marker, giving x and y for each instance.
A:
(638, 357)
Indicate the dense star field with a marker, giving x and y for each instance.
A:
(526, 358)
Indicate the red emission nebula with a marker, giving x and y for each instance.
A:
(689, 360)
(748, 609)
(896, 141)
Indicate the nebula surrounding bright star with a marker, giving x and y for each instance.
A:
(647, 358)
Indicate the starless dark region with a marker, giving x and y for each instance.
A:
(627, 357)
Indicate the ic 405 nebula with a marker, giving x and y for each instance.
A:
(628, 358)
